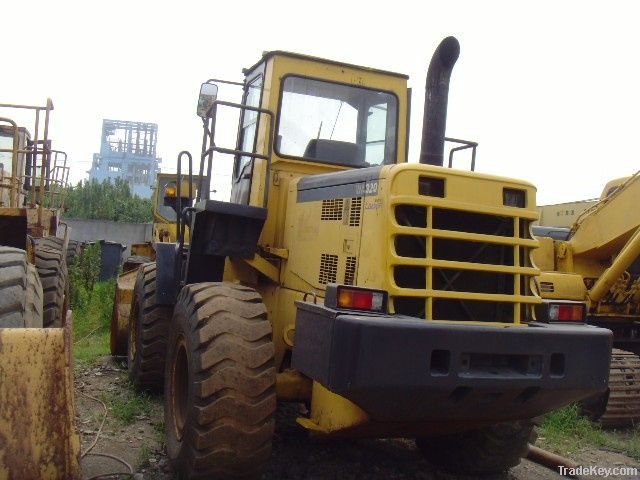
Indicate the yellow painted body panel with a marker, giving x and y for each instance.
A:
(37, 434)
(143, 250)
(331, 413)
(121, 312)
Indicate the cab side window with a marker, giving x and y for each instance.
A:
(249, 127)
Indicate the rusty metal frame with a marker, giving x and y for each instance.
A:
(47, 179)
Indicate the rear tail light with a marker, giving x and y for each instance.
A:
(562, 312)
(355, 298)
(566, 313)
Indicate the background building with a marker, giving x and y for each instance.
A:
(128, 151)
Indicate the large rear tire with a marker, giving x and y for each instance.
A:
(52, 269)
(487, 450)
(20, 291)
(220, 379)
(148, 332)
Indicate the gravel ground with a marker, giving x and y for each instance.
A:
(295, 454)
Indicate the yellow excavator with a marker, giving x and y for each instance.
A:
(596, 262)
(37, 435)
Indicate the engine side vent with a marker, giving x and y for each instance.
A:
(328, 268)
(546, 287)
(356, 211)
(332, 209)
(350, 271)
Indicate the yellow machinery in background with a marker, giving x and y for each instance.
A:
(37, 435)
(563, 215)
(597, 261)
(392, 298)
(164, 229)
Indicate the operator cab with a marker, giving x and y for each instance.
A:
(325, 116)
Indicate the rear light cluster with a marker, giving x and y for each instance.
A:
(561, 311)
(566, 313)
(355, 298)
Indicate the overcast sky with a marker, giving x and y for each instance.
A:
(550, 90)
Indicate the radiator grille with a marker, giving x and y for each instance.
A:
(355, 212)
(457, 265)
(332, 209)
(328, 268)
(350, 271)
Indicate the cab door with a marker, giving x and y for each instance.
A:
(247, 140)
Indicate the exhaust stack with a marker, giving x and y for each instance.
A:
(435, 101)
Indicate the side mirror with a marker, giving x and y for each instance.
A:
(208, 95)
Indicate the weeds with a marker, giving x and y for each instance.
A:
(126, 405)
(92, 305)
(567, 432)
(83, 275)
(146, 452)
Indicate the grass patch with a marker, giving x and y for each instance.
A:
(146, 452)
(567, 432)
(91, 323)
(126, 405)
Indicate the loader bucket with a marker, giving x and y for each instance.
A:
(121, 312)
(37, 434)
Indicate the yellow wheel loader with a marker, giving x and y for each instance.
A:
(37, 436)
(392, 298)
(164, 229)
(596, 265)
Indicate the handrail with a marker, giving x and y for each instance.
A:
(464, 145)
(208, 152)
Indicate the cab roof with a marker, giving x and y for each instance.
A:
(267, 55)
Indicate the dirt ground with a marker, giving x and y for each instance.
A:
(295, 455)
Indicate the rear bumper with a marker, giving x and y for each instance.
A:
(403, 369)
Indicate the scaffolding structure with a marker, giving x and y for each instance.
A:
(128, 151)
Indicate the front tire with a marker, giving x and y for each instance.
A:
(220, 379)
(148, 333)
(492, 449)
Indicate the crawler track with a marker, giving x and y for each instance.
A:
(623, 408)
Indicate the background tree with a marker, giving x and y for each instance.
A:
(107, 201)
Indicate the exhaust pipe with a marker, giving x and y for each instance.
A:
(435, 101)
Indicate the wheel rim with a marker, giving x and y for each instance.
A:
(180, 387)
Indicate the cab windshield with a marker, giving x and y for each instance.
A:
(335, 123)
